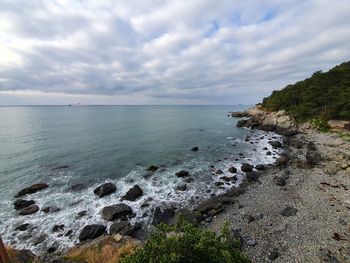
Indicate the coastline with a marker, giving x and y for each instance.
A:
(255, 206)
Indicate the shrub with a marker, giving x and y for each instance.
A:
(320, 124)
(186, 243)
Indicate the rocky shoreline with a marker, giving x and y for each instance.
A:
(281, 213)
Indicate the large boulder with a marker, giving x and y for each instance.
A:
(246, 167)
(21, 203)
(32, 189)
(163, 215)
(91, 232)
(29, 210)
(133, 193)
(182, 173)
(113, 212)
(119, 227)
(105, 189)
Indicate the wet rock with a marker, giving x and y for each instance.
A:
(91, 232)
(283, 160)
(29, 210)
(280, 181)
(268, 153)
(152, 168)
(23, 227)
(252, 176)
(265, 148)
(218, 183)
(289, 211)
(273, 254)
(57, 228)
(163, 215)
(81, 214)
(21, 203)
(105, 189)
(189, 180)
(241, 123)
(145, 204)
(260, 167)
(40, 239)
(225, 178)
(232, 170)
(32, 189)
(118, 227)
(68, 233)
(194, 149)
(52, 249)
(219, 171)
(113, 212)
(50, 209)
(313, 157)
(246, 167)
(181, 187)
(182, 173)
(133, 193)
(276, 144)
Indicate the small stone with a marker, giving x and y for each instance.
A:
(289, 211)
(274, 254)
(118, 237)
(260, 167)
(194, 149)
(279, 181)
(232, 170)
(246, 167)
(219, 171)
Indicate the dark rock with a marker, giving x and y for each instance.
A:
(105, 189)
(218, 183)
(311, 146)
(313, 157)
(276, 144)
(57, 228)
(246, 167)
(194, 149)
(268, 153)
(50, 209)
(118, 227)
(280, 181)
(29, 210)
(40, 239)
(241, 123)
(274, 254)
(163, 215)
(225, 178)
(144, 205)
(219, 171)
(189, 180)
(61, 167)
(152, 168)
(133, 193)
(181, 187)
(283, 160)
(91, 232)
(252, 176)
(248, 218)
(289, 211)
(182, 173)
(232, 170)
(20, 203)
(260, 167)
(68, 233)
(23, 227)
(265, 148)
(51, 249)
(81, 214)
(113, 212)
(32, 189)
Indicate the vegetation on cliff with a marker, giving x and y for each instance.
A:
(323, 96)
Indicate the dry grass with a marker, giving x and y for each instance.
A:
(105, 253)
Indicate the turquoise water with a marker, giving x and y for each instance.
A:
(111, 143)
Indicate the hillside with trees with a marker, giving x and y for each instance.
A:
(325, 95)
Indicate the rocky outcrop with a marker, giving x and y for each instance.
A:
(163, 215)
(29, 210)
(32, 189)
(278, 122)
(91, 232)
(113, 212)
(105, 189)
(182, 173)
(21, 203)
(133, 193)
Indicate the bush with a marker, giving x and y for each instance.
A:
(320, 124)
(186, 243)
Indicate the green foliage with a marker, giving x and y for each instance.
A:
(186, 243)
(320, 124)
(324, 95)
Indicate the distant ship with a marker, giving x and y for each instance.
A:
(74, 104)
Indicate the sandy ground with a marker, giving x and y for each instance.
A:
(320, 229)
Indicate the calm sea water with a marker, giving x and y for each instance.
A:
(111, 143)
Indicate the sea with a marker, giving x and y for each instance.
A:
(65, 146)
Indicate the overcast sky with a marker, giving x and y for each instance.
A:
(165, 52)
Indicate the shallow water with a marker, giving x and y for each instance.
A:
(113, 143)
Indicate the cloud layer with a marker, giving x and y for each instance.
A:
(165, 52)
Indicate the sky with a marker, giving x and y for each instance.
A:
(165, 52)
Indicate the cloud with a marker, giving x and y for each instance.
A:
(160, 52)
